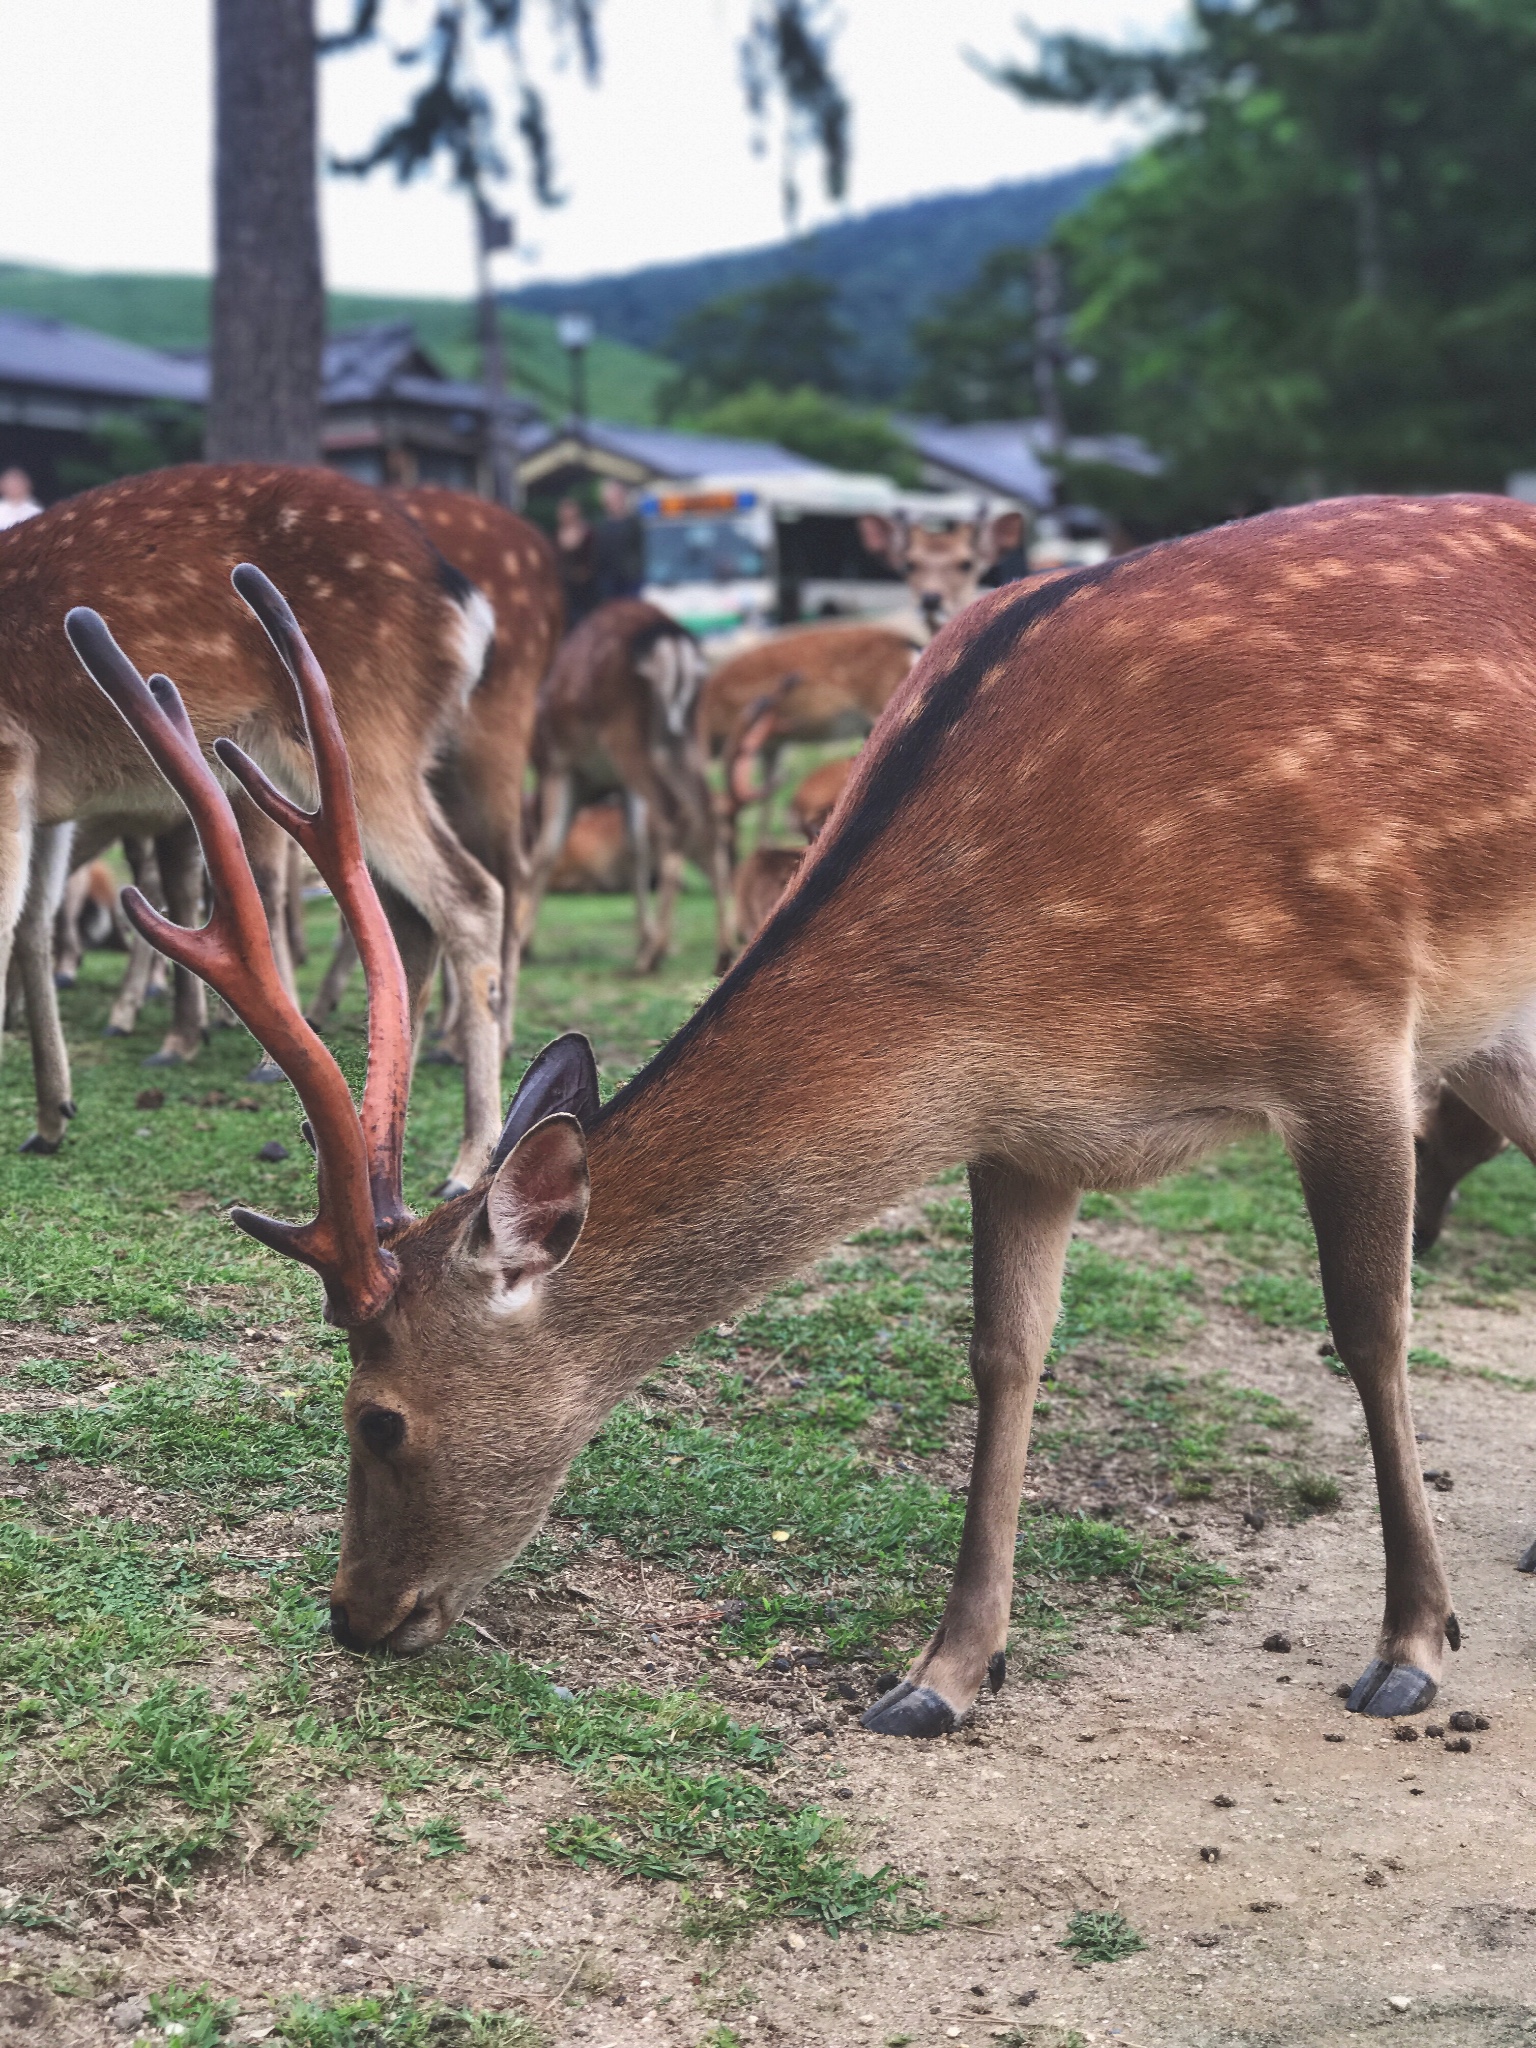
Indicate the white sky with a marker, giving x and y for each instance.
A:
(104, 109)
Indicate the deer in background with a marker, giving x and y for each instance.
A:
(403, 635)
(483, 764)
(1231, 834)
(942, 567)
(618, 707)
(816, 683)
(767, 871)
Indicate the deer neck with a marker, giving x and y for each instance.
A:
(741, 1153)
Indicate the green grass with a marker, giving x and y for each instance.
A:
(1101, 1938)
(403, 2019)
(169, 312)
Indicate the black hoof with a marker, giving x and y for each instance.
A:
(63, 980)
(910, 1710)
(265, 1072)
(1528, 1562)
(1387, 1690)
(113, 1031)
(164, 1059)
(449, 1189)
(997, 1671)
(43, 1147)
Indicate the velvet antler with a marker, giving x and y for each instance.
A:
(357, 1160)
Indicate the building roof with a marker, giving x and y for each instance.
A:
(368, 365)
(668, 452)
(53, 356)
(1016, 457)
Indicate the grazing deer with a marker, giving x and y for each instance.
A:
(618, 707)
(480, 776)
(942, 567)
(817, 683)
(403, 634)
(1232, 833)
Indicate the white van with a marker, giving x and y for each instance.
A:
(733, 556)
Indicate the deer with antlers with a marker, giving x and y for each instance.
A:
(403, 634)
(1233, 833)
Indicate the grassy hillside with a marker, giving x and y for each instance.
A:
(888, 266)
(172, 313)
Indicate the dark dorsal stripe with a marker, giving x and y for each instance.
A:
(903, 763)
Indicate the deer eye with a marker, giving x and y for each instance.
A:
(381, 1429)
(966, 566)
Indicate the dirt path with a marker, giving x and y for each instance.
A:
(1353, 1869)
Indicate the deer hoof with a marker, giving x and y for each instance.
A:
(1386, 1690)
(449, 1189)
(266, 1072)
(113, 1031)
(997, 1671)
(163, 1058)
(63, 978)
(1528, 1562)
(911, 1710)
(38, 1144)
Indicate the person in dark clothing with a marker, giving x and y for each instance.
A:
(620, 545)
(576, 553)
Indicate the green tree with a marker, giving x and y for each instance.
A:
(1324, 277)
(781, 335)
(819, 427)
(975, 351)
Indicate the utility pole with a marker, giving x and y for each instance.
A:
(495, 231)
(1050, 343)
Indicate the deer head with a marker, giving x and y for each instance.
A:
(943, 568)
(457, 1446)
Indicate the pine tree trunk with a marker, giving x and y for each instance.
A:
(268, 290)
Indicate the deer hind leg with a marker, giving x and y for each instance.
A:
(180, 861)
(1021, 1230)
(1356, 1167)
(423, 862)
(143, 961)
(1452, 1139)
(34, 954)
(338, 973)
(1497, 1088)
(293, 902)
(647, 942)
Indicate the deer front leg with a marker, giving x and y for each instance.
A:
(647, 944)
(557, 806)
(1452, 1140)
(1356, 1168)
(333, 985)
(34, 957)
(1021, 1227)
(180, 861)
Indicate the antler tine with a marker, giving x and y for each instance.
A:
(332, 839)
(233, 953)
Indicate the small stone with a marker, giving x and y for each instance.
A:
(978, 1991)
(1433, 1728)
(497, 1963)
(1279, 1642)
(1480, 1721)
(562, 1692)
(273, 1151)
(1375, 1877)
(130, 2015)
(1342, 1692)
(794, 1941)
(1210, 1855)
(149, 1098)
(779, 1664)
(1265, 1906)
(1464, 1723)
(1335, 1738)
(1406, 1732)
(1399, 2004)
(1459, 1745)
(887, 1681)
(350, 1945)
(1223, 1799)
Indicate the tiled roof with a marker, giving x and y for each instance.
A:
(51, 355)
(666, 452)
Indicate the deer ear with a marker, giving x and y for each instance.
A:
(535, 1207)
(560, 1081)
(882, 536)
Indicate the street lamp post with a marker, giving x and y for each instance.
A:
(575, 331)
(494, 231)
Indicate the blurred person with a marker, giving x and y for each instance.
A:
(576, 553)
(620, 539)
(16, 499)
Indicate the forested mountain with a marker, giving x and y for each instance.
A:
(888, 266)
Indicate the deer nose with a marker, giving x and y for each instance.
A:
(932, 605)
(341, 1627)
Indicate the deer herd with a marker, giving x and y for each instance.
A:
(1234, 833)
